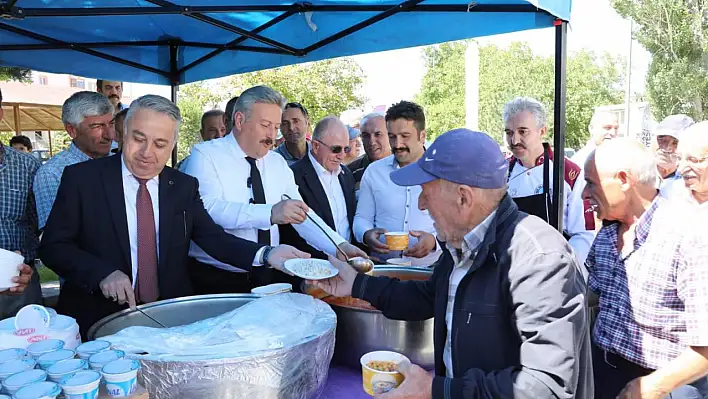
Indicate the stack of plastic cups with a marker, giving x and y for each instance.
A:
(82, 385)
(16, 381)
(121, 377)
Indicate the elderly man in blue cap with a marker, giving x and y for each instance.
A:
(508, 295)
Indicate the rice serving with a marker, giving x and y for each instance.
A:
(313, 269)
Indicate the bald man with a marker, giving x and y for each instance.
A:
(604, 126)
(325, 183)
(649, 267)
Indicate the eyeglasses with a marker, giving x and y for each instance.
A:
(336, 149)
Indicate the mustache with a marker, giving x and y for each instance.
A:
(266, 141)
(401, 149)
(113, 96)
(514, 146)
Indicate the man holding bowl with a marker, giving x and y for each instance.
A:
(507, 294)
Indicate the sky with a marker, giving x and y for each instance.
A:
(594, 25)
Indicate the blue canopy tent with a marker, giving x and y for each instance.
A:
(182, 41)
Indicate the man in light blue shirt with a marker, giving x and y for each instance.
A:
(88, 119)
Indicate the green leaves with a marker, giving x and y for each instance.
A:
(18, 74)
(674, 32)
(515, 71)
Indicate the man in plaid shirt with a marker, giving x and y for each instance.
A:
(650, 270)
(18, 224)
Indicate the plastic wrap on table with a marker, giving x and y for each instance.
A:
(278, 346)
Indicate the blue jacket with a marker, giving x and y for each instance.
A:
(520, 319)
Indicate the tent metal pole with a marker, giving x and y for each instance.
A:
(174, 78)
(559, 123)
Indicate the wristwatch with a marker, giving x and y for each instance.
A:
(265, 255)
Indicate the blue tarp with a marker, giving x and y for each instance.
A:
(31, 28)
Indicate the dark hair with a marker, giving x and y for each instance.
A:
(210, 113)
(121, 114)
(24, 140)
(99, 84)
(409, 111)
(0, 97)
(300, 107)
(229, 113)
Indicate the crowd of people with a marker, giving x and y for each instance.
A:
(511, 296)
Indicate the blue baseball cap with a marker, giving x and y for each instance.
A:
(460, 156)
(353, 132)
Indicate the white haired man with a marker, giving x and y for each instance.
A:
(374, 138)
(604, 126)
(531, 177)
(88, 119)
(649, 267)
(667, 135)
(692, 167)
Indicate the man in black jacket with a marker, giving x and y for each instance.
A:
(120, 228)
(507, 294)
(326, 186)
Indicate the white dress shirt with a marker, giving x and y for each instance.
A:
(335, 196)
(130, 193)
(383, 204)
(223, 171)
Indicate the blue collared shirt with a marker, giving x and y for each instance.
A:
(289, 158)
(18, 219)
(46, 182)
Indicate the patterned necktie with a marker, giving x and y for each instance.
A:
(146, 287)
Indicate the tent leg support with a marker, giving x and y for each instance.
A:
(559, 123)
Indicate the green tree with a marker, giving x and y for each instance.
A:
(515, 71)
(326, 87)
(674, 32)
(12, 73)
(193, 100)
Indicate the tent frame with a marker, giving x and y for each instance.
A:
(10, 10)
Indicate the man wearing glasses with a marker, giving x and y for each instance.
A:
(249, 190)
(325, 184)
(295, 126)
(692, 167)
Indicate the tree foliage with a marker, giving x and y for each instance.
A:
(325, 88)
(674, 32)
(515, 71)
(12, 73)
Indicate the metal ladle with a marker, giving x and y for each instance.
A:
(360, 264)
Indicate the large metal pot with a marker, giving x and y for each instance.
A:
(296, 372)
(360, 331)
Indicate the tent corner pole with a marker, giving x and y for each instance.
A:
(559, 108)
(174, 77)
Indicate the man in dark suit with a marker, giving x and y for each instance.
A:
(120, 228)
(325, 184)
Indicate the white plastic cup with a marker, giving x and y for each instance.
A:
(121, 377)
(16, 381)
(87, 349)
(50, 358)
(61, 369)
(16, 366)
(9, 263)
(100, 359)
(38, 349)
(38, 390)
(33, 316)
(12, 354)
(82, 385)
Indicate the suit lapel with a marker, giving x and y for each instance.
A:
(347, 183)
(113, 185)
(313, 182)
(167, 210)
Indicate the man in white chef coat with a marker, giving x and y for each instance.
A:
(531, 174)
(244, 187)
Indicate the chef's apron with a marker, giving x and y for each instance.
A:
(539, 205)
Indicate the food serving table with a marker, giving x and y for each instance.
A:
(344, 383)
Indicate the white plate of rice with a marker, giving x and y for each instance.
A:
(311, 269)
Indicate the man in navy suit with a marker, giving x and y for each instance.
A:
(325, 184)
(120, 228)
